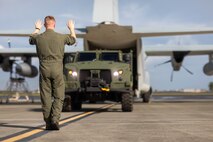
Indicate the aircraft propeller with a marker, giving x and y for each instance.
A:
(163, 63)
(172, 74)
(190, 72)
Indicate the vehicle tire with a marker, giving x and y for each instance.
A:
(127, 102)
(76, 102)
(67, 104)
(92, 102)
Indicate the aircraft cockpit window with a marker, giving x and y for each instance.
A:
(86, 57)
(109, 57)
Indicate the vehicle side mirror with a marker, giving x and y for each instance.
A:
(126, 57)
(68, 59)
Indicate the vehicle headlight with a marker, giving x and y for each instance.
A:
(120, 72)
(117, 73)
(73, 73)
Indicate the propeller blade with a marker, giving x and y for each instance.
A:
(163, 63)
(187, 70)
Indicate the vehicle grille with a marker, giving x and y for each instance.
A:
(101, 74)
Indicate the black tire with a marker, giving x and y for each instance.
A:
(76, 102)
(127, 102)
(92, 102)
(67, 104)
(146, 97)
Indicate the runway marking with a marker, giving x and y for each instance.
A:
(42, 129)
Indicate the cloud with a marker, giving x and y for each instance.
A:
(133, 13)
(1, 47)
(68, 15)
(182, 40)
(133, 10)
(154, 16)
(169, 25)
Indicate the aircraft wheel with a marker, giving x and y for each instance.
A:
(146, 97)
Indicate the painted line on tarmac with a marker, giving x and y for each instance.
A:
(38, 131)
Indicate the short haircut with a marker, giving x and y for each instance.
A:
(49, 19)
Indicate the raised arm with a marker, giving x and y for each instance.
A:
(38, 26)
(71, 27)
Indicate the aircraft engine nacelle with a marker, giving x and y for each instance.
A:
(176, 64)
(26, 70)
(208, 69)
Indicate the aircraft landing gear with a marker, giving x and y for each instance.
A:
(146, 96)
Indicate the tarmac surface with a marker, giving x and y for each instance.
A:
(165, 119)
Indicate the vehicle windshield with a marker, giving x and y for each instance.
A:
(86, 57)
(109, 57)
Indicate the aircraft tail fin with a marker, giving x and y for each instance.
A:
(105, 10)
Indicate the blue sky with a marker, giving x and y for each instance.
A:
(144, 15)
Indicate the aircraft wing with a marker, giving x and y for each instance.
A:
(27, 35)
(28, 51)
(18, 52)
(174, 33)
(168, 50)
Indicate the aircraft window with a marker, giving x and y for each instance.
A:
(109, 57)
(86, 56)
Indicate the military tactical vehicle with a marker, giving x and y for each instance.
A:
(98, 75)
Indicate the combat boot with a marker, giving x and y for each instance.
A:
(48, 126)
(54, 126)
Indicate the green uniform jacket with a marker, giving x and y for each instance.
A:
(50, 45)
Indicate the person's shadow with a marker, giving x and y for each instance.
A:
(19, 126)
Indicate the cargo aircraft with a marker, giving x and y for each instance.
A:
(109, 35)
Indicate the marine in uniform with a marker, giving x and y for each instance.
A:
(50, 51)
